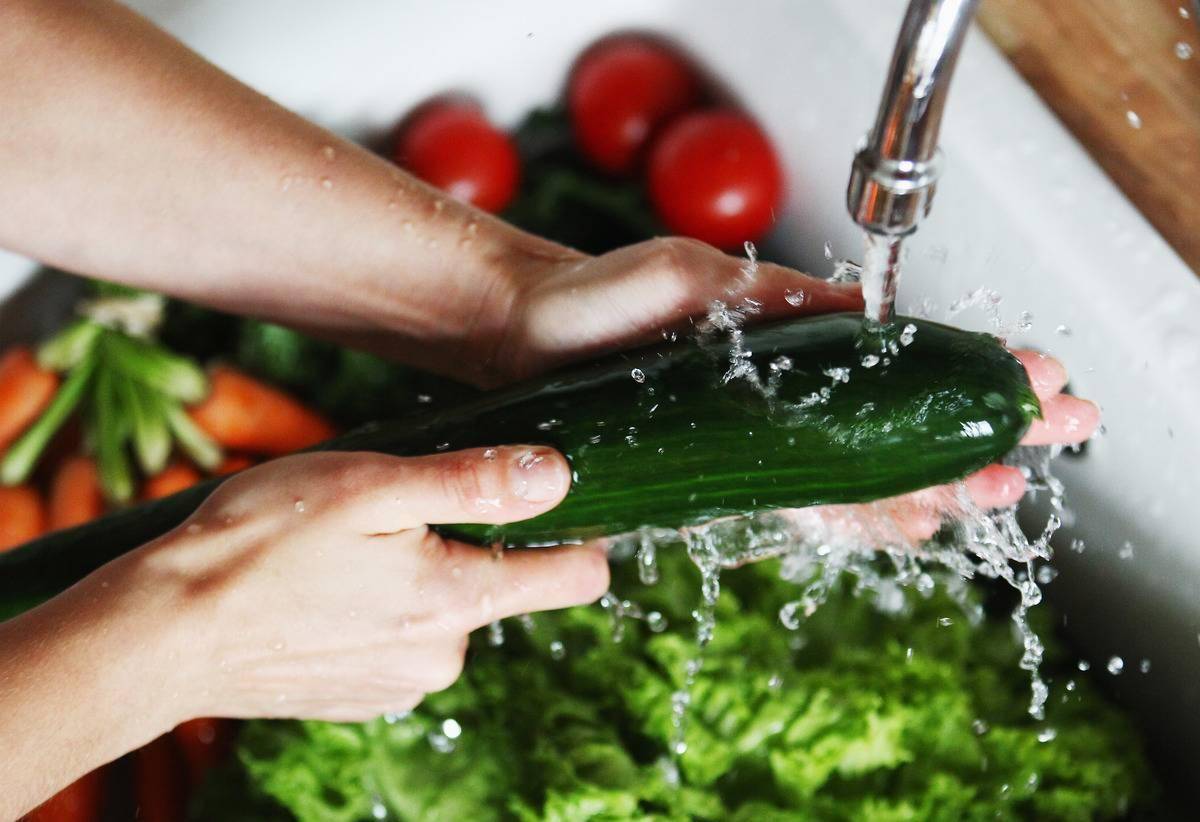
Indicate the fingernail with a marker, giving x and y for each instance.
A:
(537, 476)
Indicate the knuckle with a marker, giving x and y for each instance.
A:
(463, 481)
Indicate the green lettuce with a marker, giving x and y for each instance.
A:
(859, 715)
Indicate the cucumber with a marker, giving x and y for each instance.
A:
(656, 437)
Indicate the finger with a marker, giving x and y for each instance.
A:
(783, 292)
(1066, 420)
(1046, 374)
(525, 581)
(479, 485)
(997, 486)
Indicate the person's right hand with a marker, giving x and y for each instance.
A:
(318, 591)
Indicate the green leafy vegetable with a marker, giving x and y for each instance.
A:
(859, 715)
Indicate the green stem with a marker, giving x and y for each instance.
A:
(18, 463)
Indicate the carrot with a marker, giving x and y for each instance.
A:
(232, 464)
(175, 477)
(204, 743)
(81, 801)
(22, 515)
(25, 391)
(158, 783)
(242, 413)
(75, 494)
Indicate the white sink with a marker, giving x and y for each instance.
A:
(1021, 210)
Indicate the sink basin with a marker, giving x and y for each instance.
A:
(1021, 210)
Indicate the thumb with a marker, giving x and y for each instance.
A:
(478, 485)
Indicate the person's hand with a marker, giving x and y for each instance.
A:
(1066, 420)
(318, 591)
(573, 306)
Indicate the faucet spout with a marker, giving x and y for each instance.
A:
(894, 174)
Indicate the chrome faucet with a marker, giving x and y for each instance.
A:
(894, 174)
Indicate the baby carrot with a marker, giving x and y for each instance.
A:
(244, 414)
(22, 515)
(175, 477)
(75, 494)
(232, 464)
(25, 391)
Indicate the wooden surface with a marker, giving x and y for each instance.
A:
(1093, 61)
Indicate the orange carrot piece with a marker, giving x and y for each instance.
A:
(81, 801)
(242, 413)
(25, 391)
(75, 494)
(22, 516)
(232, 464)
(175, 477)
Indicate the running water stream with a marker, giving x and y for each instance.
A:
(819, 545)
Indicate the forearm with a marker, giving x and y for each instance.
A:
(125, 156)
(87, 677)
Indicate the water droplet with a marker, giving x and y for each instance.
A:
(1184, 13)
(407, 225)
(326, 183)
(828, 251)
(1047, 735)
(299, 506)
(529, 459)
(496, 634)
(656, 622)
(451, 729)
(1083, 665)
(1063, 331)
(1115, 665)
(945, 622)
(775, 682)
(378, 810)
(557, 650)
(979, 727)
(1184, 51)
(328, 153)
(638, 375)
(1144, 666)
(1077, 545)
(549, 424)
(870, 361)
(794, 298)
(1126, 551)
(424, 399)
(1133, 119)
(194, 528)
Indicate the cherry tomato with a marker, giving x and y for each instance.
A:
(81, 801)
(621, 92)
(159, 788)
(714, 176)
(450, 144)
(204, 744)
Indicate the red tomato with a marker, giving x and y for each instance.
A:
(451, 145)
(204, 743)
(621, 92)
(81, 801)
(714, 176)
(158, 782)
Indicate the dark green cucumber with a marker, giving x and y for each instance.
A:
(656, 437)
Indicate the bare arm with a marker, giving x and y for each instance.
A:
(125, 156)
(343, 609)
